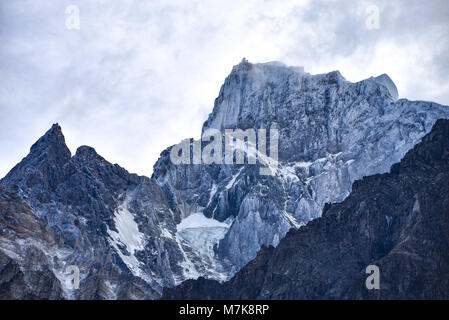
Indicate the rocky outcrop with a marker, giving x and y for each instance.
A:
(331, 133)
(58, 211)
(131, 236)
(397, 221)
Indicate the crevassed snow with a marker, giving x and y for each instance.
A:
(199, 220)
(202, 234)
(128, 235)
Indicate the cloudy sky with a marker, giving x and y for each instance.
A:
(138, 76)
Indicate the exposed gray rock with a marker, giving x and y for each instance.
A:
(332, 132)
(131, 236)
(57, 210)
(396, 221)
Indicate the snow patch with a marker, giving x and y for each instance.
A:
(128, 236)
(232, 181)
(199, 220)
(212, 194)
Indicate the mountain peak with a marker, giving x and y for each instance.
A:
(52, 141)
(86, 150)
(88, 155)
(385, 80)
(47, 156)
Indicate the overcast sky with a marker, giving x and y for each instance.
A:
(139, 76)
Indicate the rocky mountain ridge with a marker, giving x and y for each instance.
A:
(132, 236)
(398, 221)
(331, 133)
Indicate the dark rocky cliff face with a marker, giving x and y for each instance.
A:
(58, 211)
(397, 221)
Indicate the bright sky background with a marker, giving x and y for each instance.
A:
(139, 76)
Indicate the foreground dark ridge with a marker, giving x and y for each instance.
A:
(397, 221)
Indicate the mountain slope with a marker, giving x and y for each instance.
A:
(132, 236)
(331, 133)
(397, 221)
(57, 210)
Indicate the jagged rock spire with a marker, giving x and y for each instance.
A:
(44, 164)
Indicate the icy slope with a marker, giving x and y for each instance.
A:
(332, 132)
